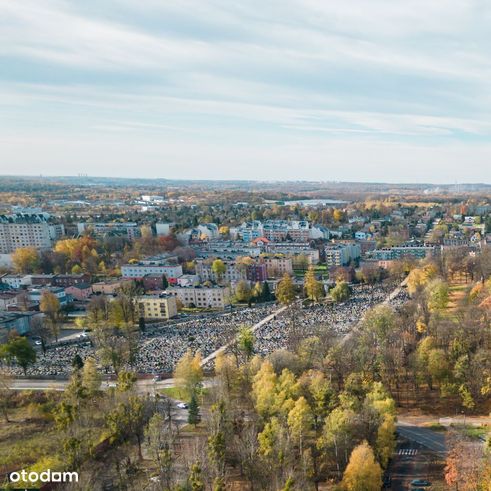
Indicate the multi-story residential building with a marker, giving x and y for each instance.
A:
(232, 274)
(293, 249)
(18, 321)
(66, 280)
(208, 231)
(188, 280)
(416, 251)
(109, 287)
(158, 306)
(129, 230)
(226, 249)
(319, 232)
(155, 267)
(341, 253)
(15, 280)
(277, 265)
(59, 292)
(248, 231)
(163, 228)
(79, 291)
(257, 272)
(22, 230)
(280, 230)
(215, 297)
(8, 299)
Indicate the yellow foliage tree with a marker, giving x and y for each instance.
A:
(363, 472)
(189, 374)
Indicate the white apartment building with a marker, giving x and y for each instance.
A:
(215, 297)
(232, 273)
(139, 270)
(130, 230)
(340, 254)
(27, 231)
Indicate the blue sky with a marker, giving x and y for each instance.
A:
(379, 90)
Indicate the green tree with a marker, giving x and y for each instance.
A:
(285, 290)
(18, 348)
(218, 267)
(193, 410)
(341, 292)
(363, 472)
(195, 478)
(265, 292)
(245, 341)
(243, 291)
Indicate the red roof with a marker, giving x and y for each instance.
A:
(260, 239)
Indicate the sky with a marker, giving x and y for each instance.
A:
(351, 90)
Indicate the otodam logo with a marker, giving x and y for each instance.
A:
(44, 477)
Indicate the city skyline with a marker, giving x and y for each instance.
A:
(220, 90)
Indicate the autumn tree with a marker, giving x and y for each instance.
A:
(313, 288)
(285, 290)
(26, 260)
(50, 306)
(363, 473)
(189, 374)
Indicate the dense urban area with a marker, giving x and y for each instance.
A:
(200, 335)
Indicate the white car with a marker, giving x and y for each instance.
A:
(83, 335)
(182, 405)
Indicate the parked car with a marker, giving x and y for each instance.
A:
(422, 483)
(182, 405)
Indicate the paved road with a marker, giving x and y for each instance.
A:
(413, 461)
(433, 440)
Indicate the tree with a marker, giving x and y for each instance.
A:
(341, 292)
(243, 291)
(165, 282)
(41, 330)
(265, 292)
(195, 478)
(337, 215)
(245, 341)
(6, 394)
(218, 268)
(300, 421)
(50, 306)
(77, 362)
(363, 472)
(127, 420)
(18, 348)
(189, 374)
(285, 290)
(193, 410)
(438, 295)
(26, 260)
(161, 438)
(91, 378)
(313, 288)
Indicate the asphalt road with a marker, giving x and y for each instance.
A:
(433, 440)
